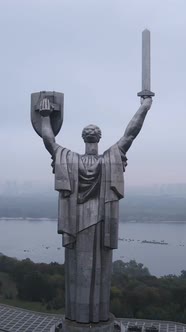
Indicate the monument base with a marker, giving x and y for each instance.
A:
(66, 325)
(69, 326)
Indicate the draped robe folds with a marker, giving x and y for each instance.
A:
(89, 188)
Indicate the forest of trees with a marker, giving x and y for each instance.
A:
(134, 292)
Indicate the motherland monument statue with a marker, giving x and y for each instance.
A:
(90, 187)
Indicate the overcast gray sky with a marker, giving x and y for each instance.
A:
(91, 51)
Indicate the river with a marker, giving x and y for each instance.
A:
(159, 246)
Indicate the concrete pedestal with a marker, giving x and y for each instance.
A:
(69, 326)
(66, 325)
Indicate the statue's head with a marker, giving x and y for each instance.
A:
(91, 134)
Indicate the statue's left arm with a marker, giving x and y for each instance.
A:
(134, 125)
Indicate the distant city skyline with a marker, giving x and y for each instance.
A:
(13, 187)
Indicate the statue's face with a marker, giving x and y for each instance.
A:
(91, 134)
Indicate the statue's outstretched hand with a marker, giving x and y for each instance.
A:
(146, 102)
(45, 108)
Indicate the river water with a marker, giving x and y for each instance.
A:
(163, 253)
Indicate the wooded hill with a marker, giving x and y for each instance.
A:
(134, 293)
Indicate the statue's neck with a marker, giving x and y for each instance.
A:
(91, 148)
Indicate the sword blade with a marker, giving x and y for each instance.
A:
(146, 74)
(146, 60)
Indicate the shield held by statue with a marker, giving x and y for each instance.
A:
(57, 104)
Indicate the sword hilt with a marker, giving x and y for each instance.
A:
(146, 93)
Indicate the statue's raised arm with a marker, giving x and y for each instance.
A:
(47, 133)
(135, 125)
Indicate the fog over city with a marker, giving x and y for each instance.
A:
(91, 51)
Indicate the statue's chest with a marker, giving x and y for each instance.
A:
(89, 161)
(89, 165)
(89, 177)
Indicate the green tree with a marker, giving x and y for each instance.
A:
(35, 287)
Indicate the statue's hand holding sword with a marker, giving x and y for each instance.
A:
(146, 102)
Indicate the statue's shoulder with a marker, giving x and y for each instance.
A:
(111, 149)
(62, 149)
